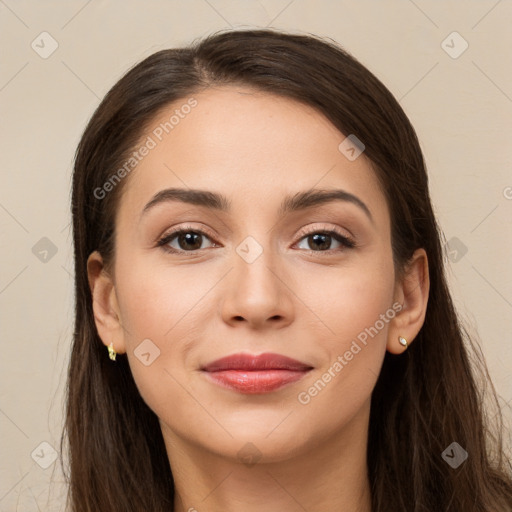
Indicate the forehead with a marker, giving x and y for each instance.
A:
(248, 144)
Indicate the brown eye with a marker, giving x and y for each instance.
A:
(321, 241)
(183, 240)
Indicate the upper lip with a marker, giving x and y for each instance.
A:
(266, 361)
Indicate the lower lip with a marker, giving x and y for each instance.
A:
(252, 382)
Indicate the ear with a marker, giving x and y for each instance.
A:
(411, 291)
(104, 304)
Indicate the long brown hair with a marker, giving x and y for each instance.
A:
(424, 400)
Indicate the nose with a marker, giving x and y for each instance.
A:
(258, 293)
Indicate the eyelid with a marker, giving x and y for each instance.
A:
(324, 228)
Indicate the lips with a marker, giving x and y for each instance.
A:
(267, 361)
(255, 374)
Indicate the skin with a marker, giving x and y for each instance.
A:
(197, 306)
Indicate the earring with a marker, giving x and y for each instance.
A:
(402, 341)
(111, 352)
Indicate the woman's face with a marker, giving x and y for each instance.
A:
(258, 272)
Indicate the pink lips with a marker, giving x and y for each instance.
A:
(255, 374)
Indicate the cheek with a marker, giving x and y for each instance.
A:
(164, 310)
(154, 299)
(362, 299)
(153, 303)
(351, 299)
(357, 310)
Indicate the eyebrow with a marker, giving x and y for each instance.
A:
(293, 203)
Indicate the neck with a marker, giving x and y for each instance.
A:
(330, 475)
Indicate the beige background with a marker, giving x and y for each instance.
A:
(461, 108)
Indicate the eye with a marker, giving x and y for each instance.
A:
(187, 239)
(320, 241)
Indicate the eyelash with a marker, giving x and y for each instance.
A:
(347, 243)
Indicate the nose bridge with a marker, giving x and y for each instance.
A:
(255, 291)
(255, 263)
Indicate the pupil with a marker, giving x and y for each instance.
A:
(325, 244)
(187, 238)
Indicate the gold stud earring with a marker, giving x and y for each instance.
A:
(111, 352)
(402, 341)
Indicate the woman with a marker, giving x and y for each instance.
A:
(255, 246)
